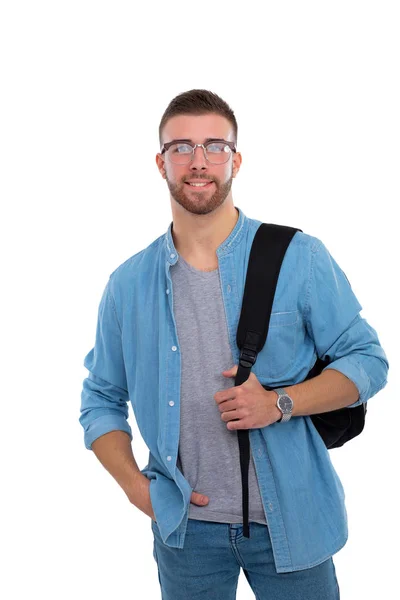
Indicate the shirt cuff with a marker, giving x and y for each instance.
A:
(103, 425)
(353, 370)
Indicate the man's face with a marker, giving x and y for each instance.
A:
(198, 200)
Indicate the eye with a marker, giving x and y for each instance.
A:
(217, 147)
(180, 149)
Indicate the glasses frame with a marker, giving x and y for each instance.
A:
(167, 145)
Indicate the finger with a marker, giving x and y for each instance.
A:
(228, 394)
(233, 425)
(199, 499)
(232, 415)
(227, 405)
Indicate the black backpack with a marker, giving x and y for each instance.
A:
(335, 427)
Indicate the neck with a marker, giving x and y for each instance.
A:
(197, 237)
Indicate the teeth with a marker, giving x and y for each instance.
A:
(200, 184)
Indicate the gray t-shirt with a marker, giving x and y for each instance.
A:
(208, 452)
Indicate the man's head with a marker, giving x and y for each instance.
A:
(197, 117)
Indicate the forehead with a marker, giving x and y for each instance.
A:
(197, 128)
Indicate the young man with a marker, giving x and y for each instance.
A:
(166, 340)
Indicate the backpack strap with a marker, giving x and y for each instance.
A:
(266, 256)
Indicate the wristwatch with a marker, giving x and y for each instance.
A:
(285, 404)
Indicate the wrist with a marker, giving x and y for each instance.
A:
(279, 415)
(275, 413)
(284, 404)
(137, 488)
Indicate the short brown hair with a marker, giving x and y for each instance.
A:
(198, 102)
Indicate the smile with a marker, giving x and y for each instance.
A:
(201, 186)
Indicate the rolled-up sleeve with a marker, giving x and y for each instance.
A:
(341, 336)
(104, 395)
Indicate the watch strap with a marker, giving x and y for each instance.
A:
(281, 391)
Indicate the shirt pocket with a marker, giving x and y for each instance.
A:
(279, 351)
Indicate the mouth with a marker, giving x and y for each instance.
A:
(199, 186)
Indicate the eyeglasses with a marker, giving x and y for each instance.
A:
(216, 152)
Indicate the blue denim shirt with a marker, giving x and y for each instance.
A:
(136, 358)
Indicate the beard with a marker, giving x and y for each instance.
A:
(200, 203)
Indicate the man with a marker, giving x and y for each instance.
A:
(166, 340)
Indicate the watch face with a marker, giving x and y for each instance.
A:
(285, 404)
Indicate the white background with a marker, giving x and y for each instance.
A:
(315, 90)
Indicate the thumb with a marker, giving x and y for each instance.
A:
(230, 372)
(199, 499)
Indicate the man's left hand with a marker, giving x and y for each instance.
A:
(247, 406)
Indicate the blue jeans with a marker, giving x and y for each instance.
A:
(208, 566)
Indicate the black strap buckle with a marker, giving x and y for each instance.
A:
(247, 357)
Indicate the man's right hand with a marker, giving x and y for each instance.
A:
(199, 499)
(147, 508)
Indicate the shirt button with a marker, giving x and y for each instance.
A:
(171, 403)
(228, 288)
(174, 348)
(169, 458)
(167, 291)
(172, 255)
(271, 506)
(259, 452)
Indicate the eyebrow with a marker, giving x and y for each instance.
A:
(205, 141)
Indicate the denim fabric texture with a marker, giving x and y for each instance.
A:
(208, 566)
(136, 358)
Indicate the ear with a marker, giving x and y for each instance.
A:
(237, 161)
(161, 165)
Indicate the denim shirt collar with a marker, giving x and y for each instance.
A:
(227, 246)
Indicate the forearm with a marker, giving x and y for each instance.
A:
(114, 451)
(328, 391)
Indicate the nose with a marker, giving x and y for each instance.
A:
(199, 159)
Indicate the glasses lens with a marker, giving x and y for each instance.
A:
(218, 152)
(180, 154)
